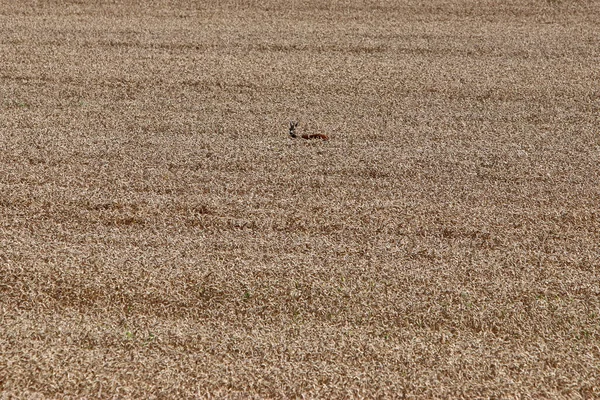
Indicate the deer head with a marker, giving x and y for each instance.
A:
(293, 125)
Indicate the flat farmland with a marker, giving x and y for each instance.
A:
(163, 236)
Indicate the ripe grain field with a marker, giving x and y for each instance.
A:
(162, 236)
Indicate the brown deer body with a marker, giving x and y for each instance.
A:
(307, 136)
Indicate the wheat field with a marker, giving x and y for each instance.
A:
(163, 236)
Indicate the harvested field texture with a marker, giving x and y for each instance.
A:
(163, 236)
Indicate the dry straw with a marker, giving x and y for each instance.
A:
(163, 236)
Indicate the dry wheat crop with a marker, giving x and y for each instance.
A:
(162, 236)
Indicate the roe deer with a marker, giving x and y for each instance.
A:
(294, 124)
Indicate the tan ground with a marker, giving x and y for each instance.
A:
(161, 236)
